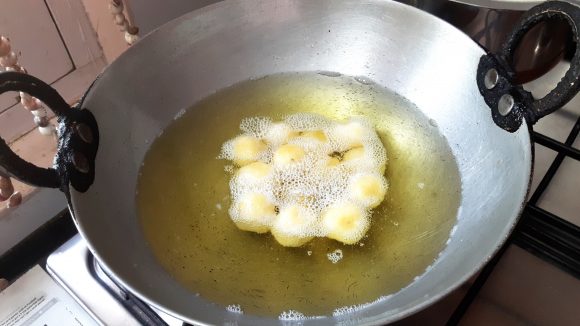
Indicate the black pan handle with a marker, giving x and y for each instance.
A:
(78, 141)
(509, 102)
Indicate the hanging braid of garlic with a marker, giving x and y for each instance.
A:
(9, 62)
(116, 8)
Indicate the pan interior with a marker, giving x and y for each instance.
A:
(183, 200)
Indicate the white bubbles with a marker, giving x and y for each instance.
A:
(256, 126)
(235, 308)
(345, 310)
(293, 173)
(279, 133)
(228, 168)
(335, 256)
(307, 121)
(355, 308)
(291, 315)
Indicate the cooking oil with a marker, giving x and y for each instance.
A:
(183, 200)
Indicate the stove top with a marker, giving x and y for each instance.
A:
(75, 269)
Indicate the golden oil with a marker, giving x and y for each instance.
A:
(183, 201)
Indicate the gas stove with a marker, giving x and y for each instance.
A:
(76, 270)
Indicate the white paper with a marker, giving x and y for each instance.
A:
(35, 299)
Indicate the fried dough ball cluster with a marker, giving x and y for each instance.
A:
(306, 177)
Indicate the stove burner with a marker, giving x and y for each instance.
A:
(76, 270)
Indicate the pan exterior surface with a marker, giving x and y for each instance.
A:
(410, 52)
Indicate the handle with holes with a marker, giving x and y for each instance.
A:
(77, 144)
(509, 102)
